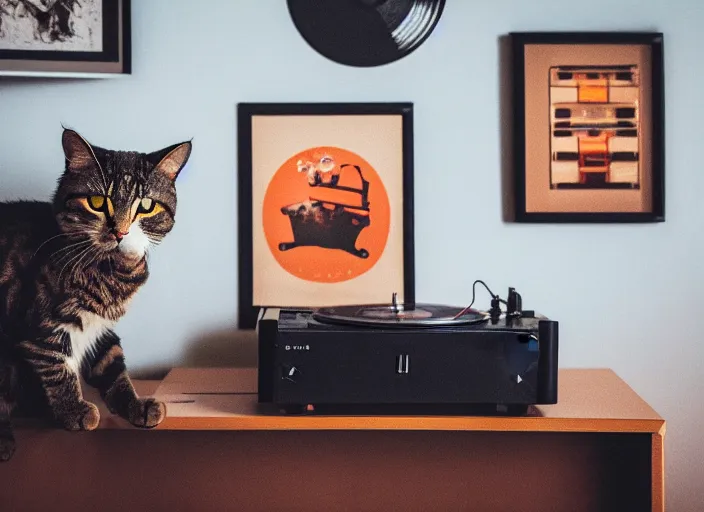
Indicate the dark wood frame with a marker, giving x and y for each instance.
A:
(248, 312)
(519, 40)
(117, 51)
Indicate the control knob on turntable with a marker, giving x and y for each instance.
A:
(290, 372)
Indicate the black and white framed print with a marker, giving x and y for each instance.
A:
(65, 38)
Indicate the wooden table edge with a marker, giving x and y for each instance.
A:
(658, 469)
(355, 423)
(480, 424)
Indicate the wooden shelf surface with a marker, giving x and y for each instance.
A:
(590, 400)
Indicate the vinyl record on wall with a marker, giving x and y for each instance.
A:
(365, 33)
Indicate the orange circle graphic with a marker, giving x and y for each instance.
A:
(326, 215)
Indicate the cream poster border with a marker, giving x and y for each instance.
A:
(379, 140)
(539, 197)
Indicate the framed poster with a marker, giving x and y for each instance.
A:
(65, 38)
(588, 127)
(325, 205)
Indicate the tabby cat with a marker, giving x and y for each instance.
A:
(68, 269)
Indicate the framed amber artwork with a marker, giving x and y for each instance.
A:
(325, 205)
(588, 136)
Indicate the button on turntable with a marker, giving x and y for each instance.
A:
(402, 363)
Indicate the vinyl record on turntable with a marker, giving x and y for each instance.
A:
(398, 315)
(365, 33)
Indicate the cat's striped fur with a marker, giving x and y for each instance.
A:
(68, 269)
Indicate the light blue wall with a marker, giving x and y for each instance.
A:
(628, 297)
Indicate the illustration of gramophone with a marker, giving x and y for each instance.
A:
(333, 216)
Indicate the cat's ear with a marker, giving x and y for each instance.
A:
(171, 160)
(79, 153)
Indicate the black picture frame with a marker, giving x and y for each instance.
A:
(114, 58)
(544, 47)
(249, 310)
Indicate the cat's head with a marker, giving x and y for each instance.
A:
(118, 200)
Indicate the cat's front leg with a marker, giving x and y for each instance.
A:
(107, 372)
(60, 384)
(7, 385)
(7, 437)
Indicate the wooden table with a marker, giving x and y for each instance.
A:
(600, 448)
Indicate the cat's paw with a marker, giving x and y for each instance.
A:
(146, 412)
(84, 416)
(7, 448)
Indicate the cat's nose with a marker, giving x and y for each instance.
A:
(119, 235)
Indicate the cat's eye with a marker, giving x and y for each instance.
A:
(146, 205)
(100, 204)
(97, 202)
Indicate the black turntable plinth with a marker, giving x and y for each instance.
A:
(400, 359)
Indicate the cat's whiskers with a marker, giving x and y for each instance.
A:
(80, 254)
(104, 186)
(96, 253)
(68, 250)
(153, 238)
(93, 181)
(102, 173)
(47, 241)
(77, 265)
(75, 251)
(81, 248)
(95, 256)
(69, 246)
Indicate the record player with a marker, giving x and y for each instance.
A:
(396, 357)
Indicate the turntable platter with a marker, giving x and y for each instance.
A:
(399, 315)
